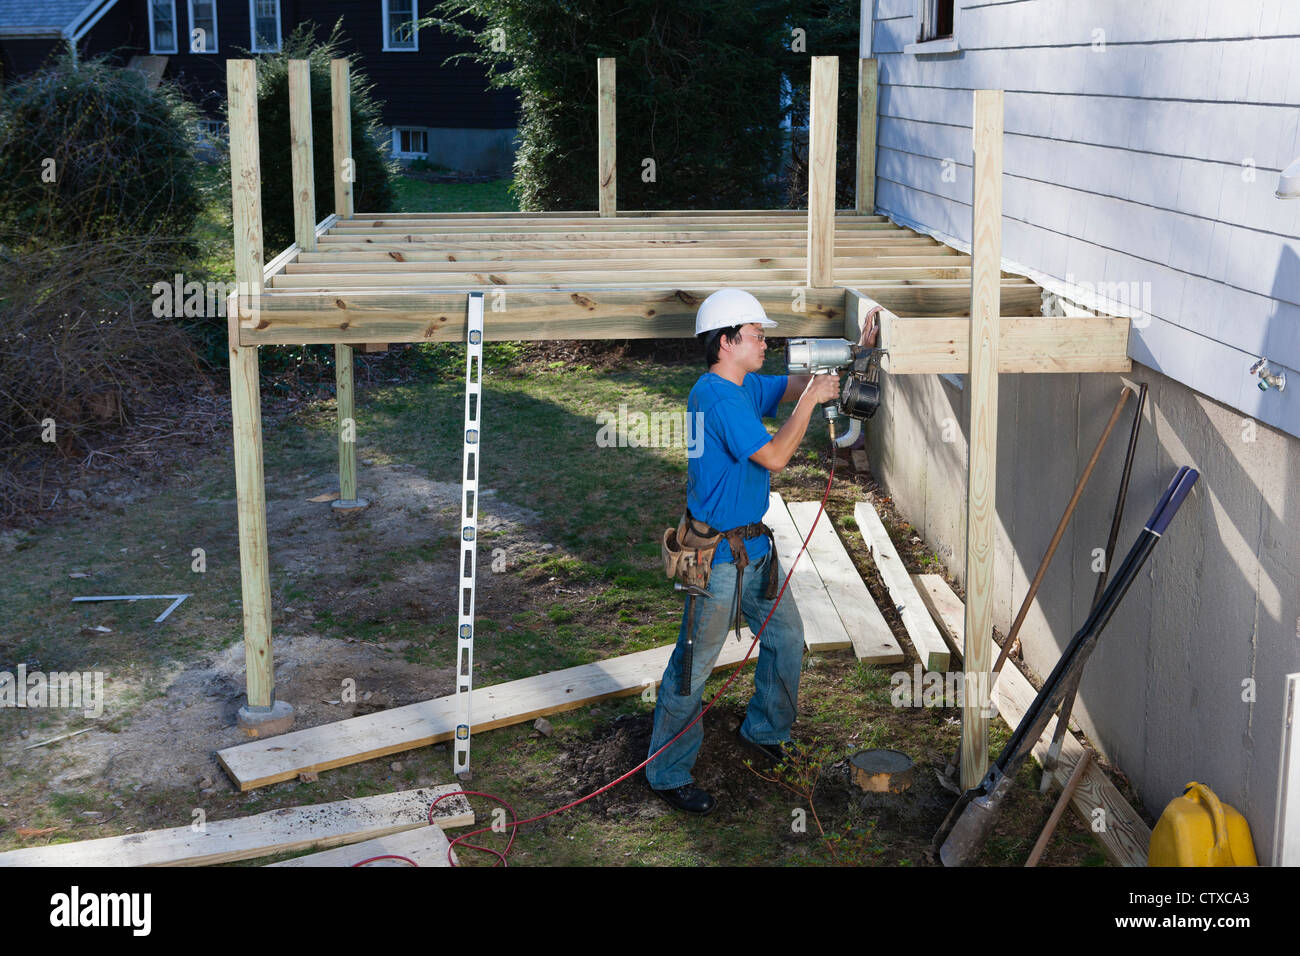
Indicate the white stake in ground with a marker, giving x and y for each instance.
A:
(468, 533)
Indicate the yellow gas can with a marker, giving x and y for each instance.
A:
(1197, 829)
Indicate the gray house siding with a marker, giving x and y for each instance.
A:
(1151, 159)
(1155, 162)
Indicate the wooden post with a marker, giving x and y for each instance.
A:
(821, 171)
(981, 500)
(865, 193)
(344, 167)
(261, 714)
(606, 122)
(348, 500)
(344, 176)
(304, 179)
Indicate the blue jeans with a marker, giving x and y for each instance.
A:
(776, 677)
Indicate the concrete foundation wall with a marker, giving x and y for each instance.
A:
(1213, 619)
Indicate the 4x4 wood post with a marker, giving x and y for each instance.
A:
(344, 176)
(981, 497)
(821, 170)
(261, 714)
(865, 194)
(607, 124)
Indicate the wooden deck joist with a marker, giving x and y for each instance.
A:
(288, 317)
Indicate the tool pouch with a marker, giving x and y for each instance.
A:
(688, 554)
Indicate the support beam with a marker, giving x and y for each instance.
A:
(919, 346)
(529, 314)
(344, 167)
(304, 178)
(868, 90)
(260, 714)
(981, 499)
(607, 182)
(821, 170)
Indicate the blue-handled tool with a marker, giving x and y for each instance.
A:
(971, 819)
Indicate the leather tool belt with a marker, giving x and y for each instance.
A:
(688, 550)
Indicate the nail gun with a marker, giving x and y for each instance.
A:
(860, 393)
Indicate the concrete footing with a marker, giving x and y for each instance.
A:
(266, 722)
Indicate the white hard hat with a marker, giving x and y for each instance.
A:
(728, 307)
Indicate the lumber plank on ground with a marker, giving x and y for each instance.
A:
(822, 628)
(264, 834)
(872, 639)
(945, 608)
(925, 637)
(261, 762)
(1125, 836)
(426, 846)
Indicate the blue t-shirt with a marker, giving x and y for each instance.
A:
(724, 486)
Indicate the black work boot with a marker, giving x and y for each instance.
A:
(688, 799)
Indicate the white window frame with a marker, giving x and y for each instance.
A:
(252, 28)
(153, 33)
(924, 11)
(388, 36)
(397, 141)
(210, 41)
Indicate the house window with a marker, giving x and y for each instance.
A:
(399, 25)
(203, 26)
(411, 142)
(212, 131)
(162, 26)
(264, 15)
(936, 27)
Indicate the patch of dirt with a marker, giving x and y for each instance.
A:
(170, 742)
(621, 744)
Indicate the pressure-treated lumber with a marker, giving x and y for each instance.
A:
(872, 639)
(868, 90)
(265, 834)
(341, 115)
(981, 485)
(607, 126)
(263, 762)
(925, 637)
(424, 846)
(302, 155)
(594, 279)
(944, 606)
(1033, 345)
(822, 628)
(1122, 833)
(347, 423)
(822, 102)
(245, 399)
(289, 317)
(938, 267)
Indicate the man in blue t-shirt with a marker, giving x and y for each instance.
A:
(727, 488)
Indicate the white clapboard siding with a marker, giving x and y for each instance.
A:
(1147, 153)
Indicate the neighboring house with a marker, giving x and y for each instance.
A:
(445, 114)
(1142, 150)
